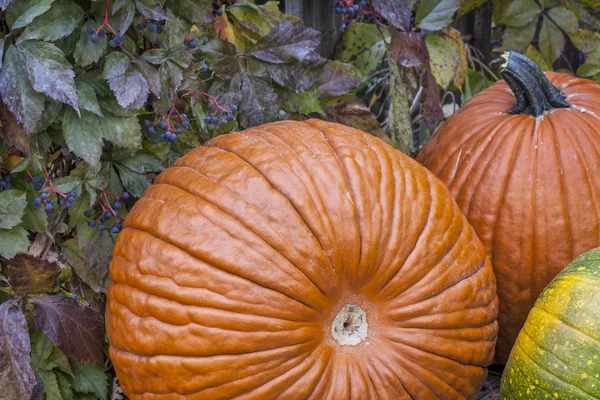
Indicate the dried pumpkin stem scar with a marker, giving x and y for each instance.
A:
(350, 327)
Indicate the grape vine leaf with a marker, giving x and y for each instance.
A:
(13, 241)
(149, 73)
(87, 98)
(287, 42)
(396, 12)
(90, 379)
(444, 58)
(48, 378)
(115, 65)
(16, 376)
(4, 4)
(12, 206)
(123, 132)
(20, 13)
(296, 77)
(127, 14)
(59, 21)
(151, 9)
(564, 18)
(363, 47)
(338, 78)
(77, 330)
(552, 41)
(86, 52)
(93, 274)
(521, 13)
(259, 101)
(434, 15)
(44, 356)
(22, 100)
(83, 135)
(131, 89)
(49, 72)
(222, 57)
(32, 275)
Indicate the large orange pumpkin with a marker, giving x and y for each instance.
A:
(299, 260)
(528, 179)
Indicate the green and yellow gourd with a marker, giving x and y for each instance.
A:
(557, 353)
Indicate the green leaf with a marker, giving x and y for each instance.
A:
(537, 58)
(86, 52)
(94, 275)
(551, 41)
(193, 11)
(22, 100)
(304, 103)
(564, 18)
(67, 183)
(176, 31)
(12, 206)
(134, 182)
(41, 349)
(444, 59)
(115, 65)
(87, 98)
(434, 15)
(83, 135)
(137, 161)
(13, 241)
(64, 385)
(248, 18)
(20, 13)
(469, 5)
(49, 71)
(59, 21)
(222, 56)
(521, 13)
(362, 47)
(97, 179)
(123, 132)
(155, 56)
(150, 9)
(22, 166)
(50, 384)
(90, 379)
(588, 70)
(34, 219)
(80, 205)
(131, 89)
(127, 14)
(287, 42)
(518, 38)
(150, 74)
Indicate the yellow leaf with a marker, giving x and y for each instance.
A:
(455, 36)
(537, 58)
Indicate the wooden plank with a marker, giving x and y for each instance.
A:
(319, 15)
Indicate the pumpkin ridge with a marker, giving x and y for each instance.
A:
(237, 238)
(597, 340)
(294, 206)
(545, 369)
(380, 365)
(209, 263)
(267, 242)
(193, 287)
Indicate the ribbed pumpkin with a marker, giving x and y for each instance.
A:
(557, 353)
(299, 260)
(527, 179)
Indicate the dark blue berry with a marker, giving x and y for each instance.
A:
(48, 207)
(229, 117)
(219, 12)
(44, 196)
(73, 194)
(113, 43)
(356, 7)
(102, 33)
(89, 30)
(101, 227)
(87, 213)
(62, 202)
(172, 137)
(204, 67)
(108, 215)
(185, 124)
(117, 205)
(93, 223)
(37, 202)
(94, 38)
(163, 124)
(73, 296)
(7, 185)
(115, 229)
(338, 10)
(159, 29)
(363, 3)
(234, 108)
(178, 130)
(154, 97)
(201, 58)
(205, 40)
(162, 22)
(125, 195)
(146, 122)
(183, 116)
(139, 27)
(163, 137)
(64, 150)
(69, 204)
(177, 125)
(152, 130)
(214, 121)
(151, 27)
(208, 120)
(52, 203)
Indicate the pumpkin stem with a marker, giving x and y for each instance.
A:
(530, 86)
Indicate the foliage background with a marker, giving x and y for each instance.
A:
(85, 127)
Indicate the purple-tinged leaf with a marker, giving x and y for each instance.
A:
(131, 89)
(22, 12)
(22, 100)
(288, 41)
(49, 72)
(396, 12)
(295, 77)
(150, 74)
(115, 65)
(338, 78)
(32, 275)
(4, 4)
(222, 57)
(150, 9)
(93, 275)
(11, 132)
(409, 48)
(127, 14)
(16, 376)
(77, 330)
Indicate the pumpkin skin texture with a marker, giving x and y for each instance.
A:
(235, 263)
(529, 186)
(557, 353)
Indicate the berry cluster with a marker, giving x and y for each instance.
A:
(353, 11)
(152, 25)
(5, 181)
(213, 120)
(67, 200)
(103, 211)
(217, 9)
(171, 131)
